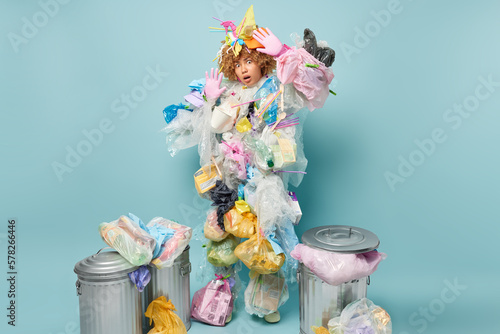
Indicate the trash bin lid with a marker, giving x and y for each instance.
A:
(104, 266)
(341, 239)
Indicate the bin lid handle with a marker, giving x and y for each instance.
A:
(102, 249)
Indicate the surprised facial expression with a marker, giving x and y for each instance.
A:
(248, 71)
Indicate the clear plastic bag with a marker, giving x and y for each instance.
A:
(172, 247)
(361, 317)
(241, 225)
(213, 303)
(337, 268)
(272, 207)
(180, 131)
(282, 145)
(287, 239)
(166, 321)
(129, 239)
(266, 293)
(221, 254)
(212, 230)
(258, 255)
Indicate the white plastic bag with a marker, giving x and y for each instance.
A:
(361, 317)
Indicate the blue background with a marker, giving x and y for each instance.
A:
(396, 85)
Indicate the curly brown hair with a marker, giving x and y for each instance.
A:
(227, 60)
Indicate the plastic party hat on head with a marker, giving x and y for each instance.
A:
(246, 28)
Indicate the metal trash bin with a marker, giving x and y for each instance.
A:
(173, 283)
(319, 301)
(109, 302)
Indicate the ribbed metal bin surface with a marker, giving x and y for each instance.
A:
(109, 302)
(110, 308)
(319, 302)
(173, 283)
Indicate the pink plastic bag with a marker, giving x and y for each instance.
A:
(337, 268)
(213, 303)
(311, 81)
(174, 246)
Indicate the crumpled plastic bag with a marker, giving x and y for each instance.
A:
(211, 230)
(266, 293)
(288, 240)
(221, 254)
(172, 246)
(311, 82)
(361, 317)
(224, 199)
(170, 112)
(128, 239)
(319, 330)
(337, 268)
(236, 156)
(272, 203)
(282, 145)
(324, 54)
(241, 225)
(213, 303)
(166, 321)
(140, 277)
(258, 255)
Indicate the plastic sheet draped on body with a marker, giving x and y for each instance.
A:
(256, 164)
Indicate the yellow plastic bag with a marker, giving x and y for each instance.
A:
(319, 330)
(166, 321)
(258, 255)
(240, 225)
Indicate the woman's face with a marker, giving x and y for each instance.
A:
(247, 70)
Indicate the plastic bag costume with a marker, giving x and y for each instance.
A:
(249, 139)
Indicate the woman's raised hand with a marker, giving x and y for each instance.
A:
(212, 85)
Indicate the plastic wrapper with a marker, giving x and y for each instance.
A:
(128, 239)
(205, 178)
(258, 255)
(361, 317)
(165, 320)
(265, 294)
(310, 81)
(241, 225)
(173, 246)
(272, 207)
(337, 268)
(213, 303)
(211, 229)
(221, 253)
